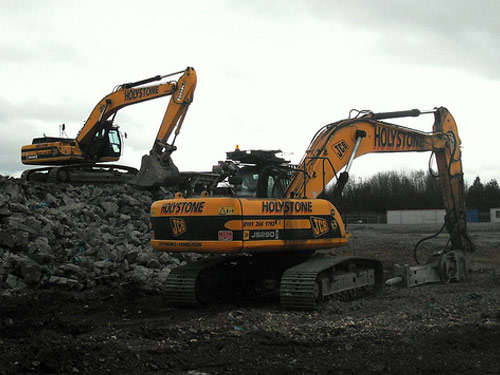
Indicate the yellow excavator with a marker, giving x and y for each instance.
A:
(99, 141)
(273, 217)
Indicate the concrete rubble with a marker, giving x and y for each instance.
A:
(78, 237)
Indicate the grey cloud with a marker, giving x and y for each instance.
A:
(39, 49)
(18, 123)
(33, 111)
(456, 34)
(26, 37)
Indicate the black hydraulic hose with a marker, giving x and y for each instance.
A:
(425, 239)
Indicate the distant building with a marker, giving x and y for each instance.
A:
(495, 215)
(415, 216)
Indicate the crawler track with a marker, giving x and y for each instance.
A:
(305, 285)
(81, 173)
(196, 283)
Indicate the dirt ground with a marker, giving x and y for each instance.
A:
(431, 329)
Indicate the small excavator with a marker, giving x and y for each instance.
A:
(265, 226)
(99, 141)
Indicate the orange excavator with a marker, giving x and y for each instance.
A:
(270, 225)
(99, 141)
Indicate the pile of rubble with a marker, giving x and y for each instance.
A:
(77, 237)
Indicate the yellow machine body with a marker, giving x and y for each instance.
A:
(239, 225)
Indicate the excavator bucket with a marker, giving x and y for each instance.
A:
(155, 171)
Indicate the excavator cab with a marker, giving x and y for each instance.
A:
(106, 144)
(260, 173)
(246, 182)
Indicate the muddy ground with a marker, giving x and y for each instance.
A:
(432, 329)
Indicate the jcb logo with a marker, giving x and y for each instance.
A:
(340, 148)
(319, 226)
(178, 226)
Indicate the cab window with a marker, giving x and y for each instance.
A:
(114, 142)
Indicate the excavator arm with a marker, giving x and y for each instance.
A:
(157, 168)
(177, 108)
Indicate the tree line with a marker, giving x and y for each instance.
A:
(414, 190)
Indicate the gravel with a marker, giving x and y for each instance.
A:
(82, 292)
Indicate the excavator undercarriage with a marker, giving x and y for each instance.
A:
(81, 173)
(302, 280)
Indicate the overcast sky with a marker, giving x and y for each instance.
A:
(270, 73)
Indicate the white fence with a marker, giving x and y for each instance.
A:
(495, 215)
(415, 216)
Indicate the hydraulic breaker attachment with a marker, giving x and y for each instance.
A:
(450, 266)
